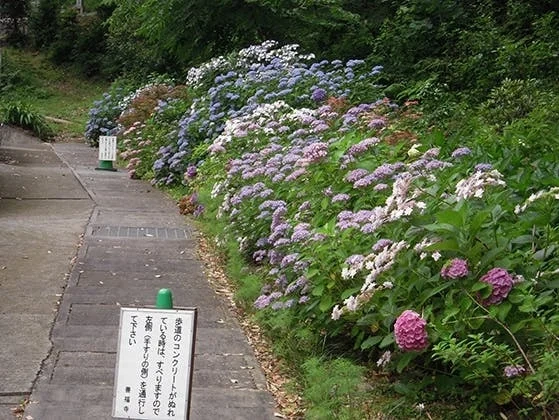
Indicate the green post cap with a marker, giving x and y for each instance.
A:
(164, 299)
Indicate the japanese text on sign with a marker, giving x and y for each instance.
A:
(107, 148)
(154, 363)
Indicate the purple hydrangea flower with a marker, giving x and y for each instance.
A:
(356, 175)
(262, 301)
(281, 282)
(277, 305)
(362, 146)
(191, 171)
(355, 260)
(435, 164)
(198, 210)
(300, 266)
(501, 282)
(340, 197)
(275, 296)
(300, 235)
(281, 242)
(381, 244)
(365, 181)
(317, 237)
(315, 151)
(376, 123)
(319, 95)
(368, 228)
(262, 242)
(455, 269)
(289, 259)
(304, 299)
(289, 303)
(296, 174)
(513, 370)
(461, 152)
(410, 331)
(259, 255)
(483, 167)
(305, 206)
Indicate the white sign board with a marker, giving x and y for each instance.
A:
(107, 148)
(153, 377)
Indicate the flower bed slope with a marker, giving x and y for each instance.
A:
(404, 249)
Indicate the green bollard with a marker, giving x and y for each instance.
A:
(164, 299)
(105, 165)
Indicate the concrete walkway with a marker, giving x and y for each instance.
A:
(134, 243)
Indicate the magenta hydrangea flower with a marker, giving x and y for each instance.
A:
(501, 282)
(410, 331)
(455, 269)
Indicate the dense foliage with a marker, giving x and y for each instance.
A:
(12, 20)
(447, 44)
(367, 232)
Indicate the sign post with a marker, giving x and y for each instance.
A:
(107, 153)
(153, 378)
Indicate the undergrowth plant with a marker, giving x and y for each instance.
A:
(22, 115)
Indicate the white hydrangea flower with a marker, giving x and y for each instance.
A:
(552, 192)
(351, 303)
(337, 312)
(474, 186)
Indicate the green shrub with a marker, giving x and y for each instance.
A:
(512, 100)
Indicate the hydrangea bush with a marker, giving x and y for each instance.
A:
(418, 253)
(104, 115)
(356, 233)
(142, 126)
(252, 77)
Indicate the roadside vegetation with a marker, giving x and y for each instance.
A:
(386, 203)
(49, 100)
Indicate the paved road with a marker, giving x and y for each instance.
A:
(134, 243)
(43, 211)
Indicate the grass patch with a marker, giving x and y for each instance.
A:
(61, 96)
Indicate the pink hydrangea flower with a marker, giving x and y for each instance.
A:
(410, 331)
(455, 269)
(501, 282)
